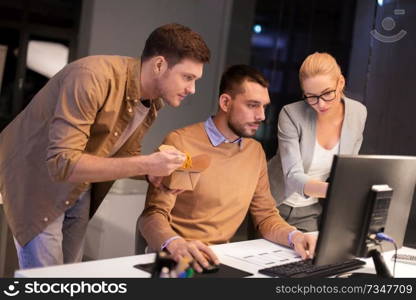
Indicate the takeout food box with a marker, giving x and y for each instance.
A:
(187, 177)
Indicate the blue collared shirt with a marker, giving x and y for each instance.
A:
(215, 136)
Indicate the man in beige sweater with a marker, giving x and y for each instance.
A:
(235, 182)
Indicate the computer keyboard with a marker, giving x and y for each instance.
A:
(405, 258)
(305, 268)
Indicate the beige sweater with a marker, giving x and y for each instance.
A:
(235, 182)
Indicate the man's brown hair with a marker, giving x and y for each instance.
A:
(234, 76)
(176, 42)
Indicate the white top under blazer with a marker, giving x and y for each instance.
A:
(289, 168)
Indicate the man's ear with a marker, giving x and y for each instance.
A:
(225, 102)
(159, 65)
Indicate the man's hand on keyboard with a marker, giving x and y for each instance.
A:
(304, 244)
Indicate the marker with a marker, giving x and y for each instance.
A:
(190, 272)
(183, 264)
(183, 275)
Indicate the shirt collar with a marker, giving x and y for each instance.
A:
(215, 136)
(133, 80)
(133, 92)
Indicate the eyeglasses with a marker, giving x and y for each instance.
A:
(327, 97)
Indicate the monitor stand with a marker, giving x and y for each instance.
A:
(374, 222)
(380, 265)
(382, 271)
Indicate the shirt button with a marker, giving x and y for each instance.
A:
(45, 219)
(66, 202)
(130, 110)
(116, 133)
(135, 100)
(128, 98)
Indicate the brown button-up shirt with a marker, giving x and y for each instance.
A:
(82, 109)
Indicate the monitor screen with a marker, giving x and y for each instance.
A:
(344, 208)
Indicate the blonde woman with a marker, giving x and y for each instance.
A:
(310, 133)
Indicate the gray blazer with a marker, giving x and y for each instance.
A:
(297, 135)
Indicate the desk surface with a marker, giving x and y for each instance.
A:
(249, 256)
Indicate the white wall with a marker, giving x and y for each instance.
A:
(121, 27)
(111, 231)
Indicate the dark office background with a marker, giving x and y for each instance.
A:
(22, 21)
(274, 36)
(379, 74)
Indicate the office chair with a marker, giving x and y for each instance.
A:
(246, 231)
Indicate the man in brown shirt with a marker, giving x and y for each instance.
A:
(83, 130)
(235, 182)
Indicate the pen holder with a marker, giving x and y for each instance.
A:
(166, 267)
(163, 260)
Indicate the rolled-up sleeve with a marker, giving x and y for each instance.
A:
(289, 149)
(81, 94)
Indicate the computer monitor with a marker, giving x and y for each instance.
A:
(347, 203)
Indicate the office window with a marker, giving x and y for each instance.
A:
(284, 33)
(22, 22)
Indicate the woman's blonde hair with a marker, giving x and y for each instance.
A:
(319, 64)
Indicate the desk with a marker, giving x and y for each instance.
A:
(229, 254)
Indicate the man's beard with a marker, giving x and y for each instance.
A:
(239, 129)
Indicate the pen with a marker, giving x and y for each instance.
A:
(182, 265)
